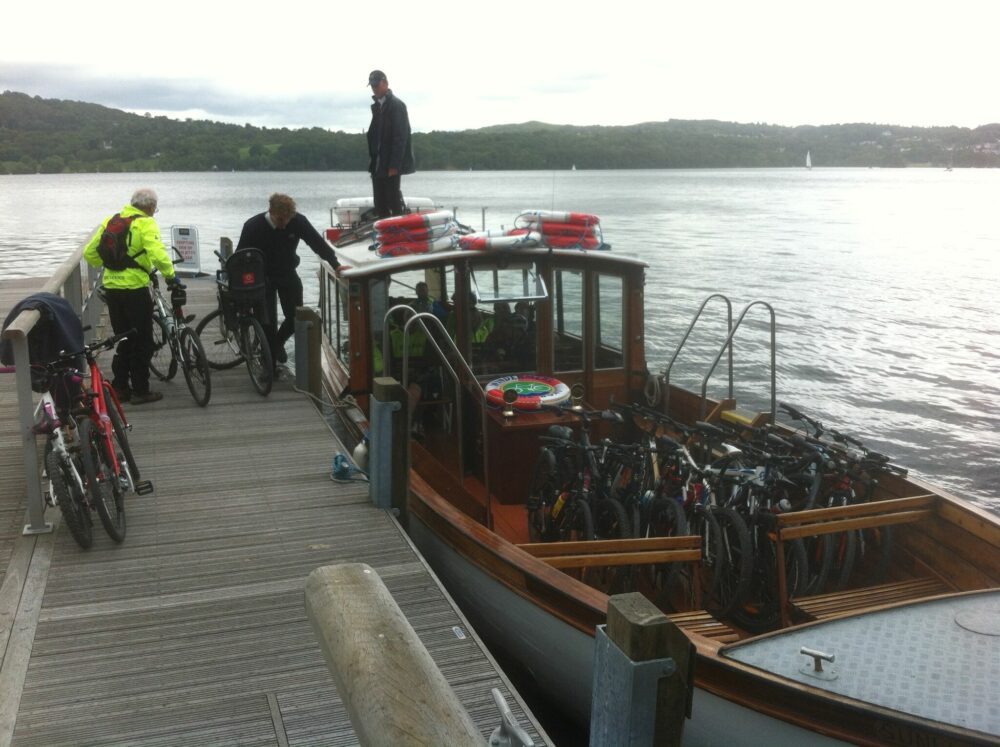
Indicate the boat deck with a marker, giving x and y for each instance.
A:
(935, 660)
(194, 629)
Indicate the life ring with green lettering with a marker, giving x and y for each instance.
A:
(533, 391)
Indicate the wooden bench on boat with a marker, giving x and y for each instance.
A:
(705, 624)
(816, 522)
(834, 604)
(618, 552)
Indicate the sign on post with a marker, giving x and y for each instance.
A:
(185, 240)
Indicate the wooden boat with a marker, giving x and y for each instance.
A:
(915, 655)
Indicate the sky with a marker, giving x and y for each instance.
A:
(462, 65)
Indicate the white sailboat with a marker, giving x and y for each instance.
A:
(809, 163)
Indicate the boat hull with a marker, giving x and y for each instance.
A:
(560, 657)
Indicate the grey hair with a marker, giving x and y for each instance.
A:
(144, 198)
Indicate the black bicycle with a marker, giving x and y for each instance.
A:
(235, 330)
(176, 345)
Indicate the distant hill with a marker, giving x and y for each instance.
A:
(56, 136)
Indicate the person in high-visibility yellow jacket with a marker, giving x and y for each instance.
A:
(130, 305)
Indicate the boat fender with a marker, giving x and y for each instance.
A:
(556, 216)
(404, 248)
(415, 220)
(652, 390)
(486, 240)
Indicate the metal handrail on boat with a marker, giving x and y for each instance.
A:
(419, 318)
(728, 344)
(79, 289)
(697, 315)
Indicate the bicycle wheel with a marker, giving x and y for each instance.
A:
(703, 523)
(258, 355)
(72, 503)
(120, 437)
(761, 610)
(575, 522)
(819, 554)
(105, 491)
(737, 557)
(610, 520)
(197, 374)
(222, 347)
(542, 493)
(162, 364)
(665, 518)
(844, 555)
(873, 554)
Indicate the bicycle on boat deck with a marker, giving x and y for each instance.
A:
(176, 345)
(234, 332)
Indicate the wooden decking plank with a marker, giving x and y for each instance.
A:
(194, 630)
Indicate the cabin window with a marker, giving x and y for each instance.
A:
(423, 291)
(342, 325)
(567, 323)
(609, 321)
(502, 339)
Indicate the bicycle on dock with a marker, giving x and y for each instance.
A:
(88, 459)
(234, 331)
(176, 345)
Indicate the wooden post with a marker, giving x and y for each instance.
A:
(386, 389)
(393, 691)
(644, 634)
(313, 351)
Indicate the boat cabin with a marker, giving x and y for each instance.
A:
(565, 315)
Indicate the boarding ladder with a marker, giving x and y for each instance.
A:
(421, 319)
(727, 347)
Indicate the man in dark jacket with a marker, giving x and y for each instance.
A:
(390, 151)
(277, 233)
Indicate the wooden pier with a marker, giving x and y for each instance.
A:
(193, 630)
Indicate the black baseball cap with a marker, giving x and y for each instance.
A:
(375, 76)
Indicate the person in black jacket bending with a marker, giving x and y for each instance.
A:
(390, 151)
(277, 233)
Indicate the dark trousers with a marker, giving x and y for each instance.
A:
(128, 310)
(388, 196)
(287, 290)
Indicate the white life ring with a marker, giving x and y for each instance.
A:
(533, 391)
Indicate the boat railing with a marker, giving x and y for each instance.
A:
(421, 319)
(77, 282)
(680, 345)
(728, 345)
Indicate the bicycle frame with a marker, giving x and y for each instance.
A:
(98, 405)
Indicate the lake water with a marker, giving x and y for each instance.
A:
(884, 282)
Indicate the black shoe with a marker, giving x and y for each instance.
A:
(124, 395)
(280, 355)
(141, 399)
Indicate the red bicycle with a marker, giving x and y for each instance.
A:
(109, 466)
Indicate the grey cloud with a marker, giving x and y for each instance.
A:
(168, 95)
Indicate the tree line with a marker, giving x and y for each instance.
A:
(55, 136)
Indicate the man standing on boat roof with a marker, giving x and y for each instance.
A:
(390, 150)
(277, 233)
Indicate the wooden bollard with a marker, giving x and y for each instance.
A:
(642, 633)
(393, 690)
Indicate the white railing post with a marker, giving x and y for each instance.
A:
(26, 422)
